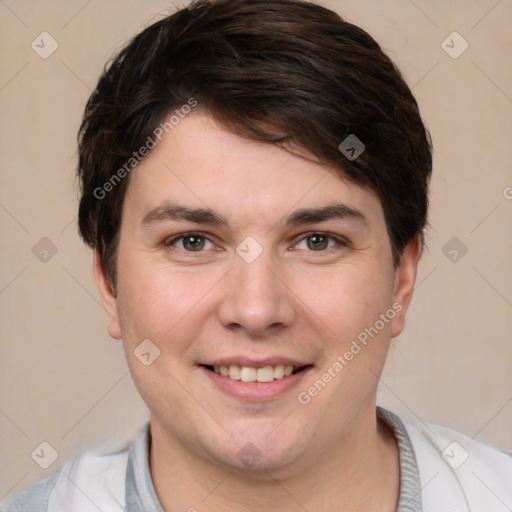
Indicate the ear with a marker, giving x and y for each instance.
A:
(405, 277)
(108, 297)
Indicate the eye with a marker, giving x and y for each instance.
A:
(318, 242)
(190, 242)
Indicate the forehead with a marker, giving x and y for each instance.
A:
(201, 164)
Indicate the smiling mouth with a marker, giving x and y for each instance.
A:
(265, 374)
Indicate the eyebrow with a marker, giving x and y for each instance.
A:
(332, 211)
(336, 211)
(175, 212)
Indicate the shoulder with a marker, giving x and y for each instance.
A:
(457, 472)
(87, 483)
(33, 499)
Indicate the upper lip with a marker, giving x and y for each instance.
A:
(255, 363)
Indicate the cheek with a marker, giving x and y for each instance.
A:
(355, 348)
(160, 304)
(161, 307)
(346, 301)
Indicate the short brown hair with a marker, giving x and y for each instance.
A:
(276, 71)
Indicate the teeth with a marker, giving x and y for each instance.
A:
(246, 374)
(233, 372)
(265, 374)
(279, 372)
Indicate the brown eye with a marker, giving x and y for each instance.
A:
(317, 242)
(320, 242)
(193, 242)
(190, 242)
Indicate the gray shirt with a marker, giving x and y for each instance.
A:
(140, 495)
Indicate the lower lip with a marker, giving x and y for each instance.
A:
(256, 390)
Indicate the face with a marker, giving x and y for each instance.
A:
(242, 262)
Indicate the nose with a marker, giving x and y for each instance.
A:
(256, 298)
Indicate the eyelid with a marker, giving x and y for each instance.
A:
(340, 240)
(171, 240)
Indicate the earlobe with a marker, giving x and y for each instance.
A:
(405, 278)
(108, 297)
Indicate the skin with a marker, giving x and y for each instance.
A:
(295, 301)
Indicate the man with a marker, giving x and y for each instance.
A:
(254, 186)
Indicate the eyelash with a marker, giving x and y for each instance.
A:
(340, 242)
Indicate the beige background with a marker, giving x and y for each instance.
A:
(64, 381)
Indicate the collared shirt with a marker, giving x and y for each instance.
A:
(122, 481)
(141, 495)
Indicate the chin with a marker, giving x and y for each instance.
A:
(263, 450)
(249, 460)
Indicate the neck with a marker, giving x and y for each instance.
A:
(359, 472)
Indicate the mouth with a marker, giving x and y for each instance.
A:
(255, 379)
(267, 373)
